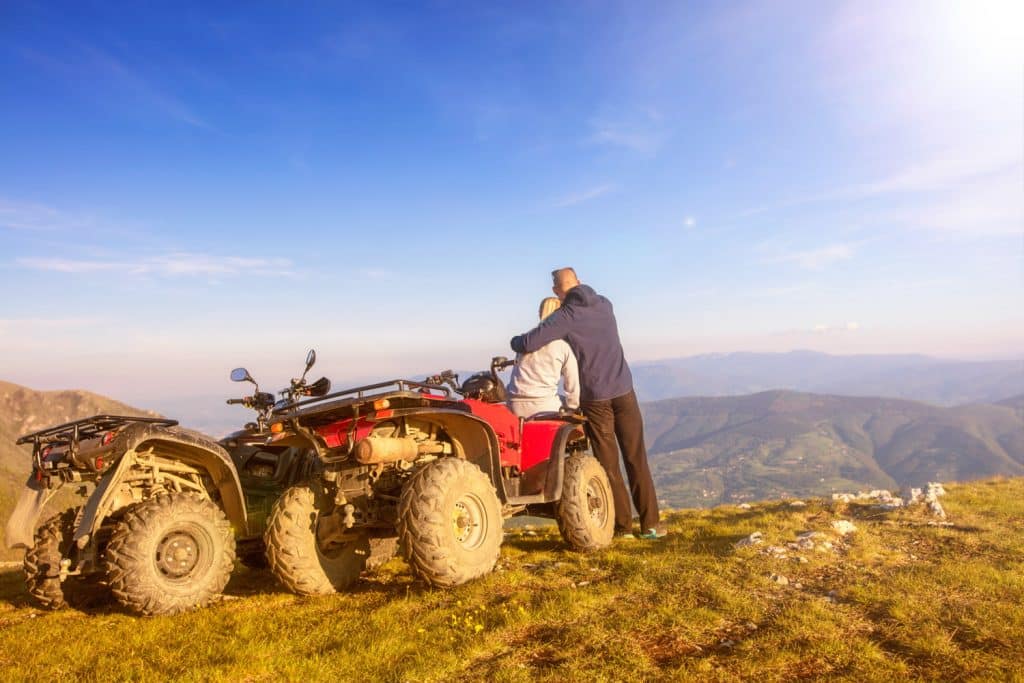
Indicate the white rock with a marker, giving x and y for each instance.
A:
(780, 579)
(744, 506)
(755, 538)
(798, 504)
(843, 527)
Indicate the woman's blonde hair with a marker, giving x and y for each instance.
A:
(549, 306)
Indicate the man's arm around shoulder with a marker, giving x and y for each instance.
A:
(555, 326)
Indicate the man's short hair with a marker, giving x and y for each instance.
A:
(560, 274)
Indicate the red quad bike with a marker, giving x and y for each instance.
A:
(435, 464)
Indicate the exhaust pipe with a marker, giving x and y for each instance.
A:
(382, 449)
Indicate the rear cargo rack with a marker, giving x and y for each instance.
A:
(86, 428)
(360, 392)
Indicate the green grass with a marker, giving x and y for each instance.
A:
(900, 599)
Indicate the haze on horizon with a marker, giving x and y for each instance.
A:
(186, 188)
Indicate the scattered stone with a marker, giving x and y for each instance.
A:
(727, 643)
(843, 527)
(797, 504)
(931, 498)
(755, 538)
(751, 626)
(744, 506)
(780, 579)
(583, 583)
(801, 559)
(798, 585)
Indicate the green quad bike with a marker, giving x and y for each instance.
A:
(321, 487)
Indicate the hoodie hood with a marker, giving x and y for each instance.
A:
(581, 295)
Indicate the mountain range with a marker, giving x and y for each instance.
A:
(915, 377)
(713, 449)
(779, 444)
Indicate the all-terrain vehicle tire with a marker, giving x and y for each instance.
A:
(169, 554)
(449, 523)
(586, 510)
(53, 543)
(295, 554)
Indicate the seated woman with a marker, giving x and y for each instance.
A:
(533, 387)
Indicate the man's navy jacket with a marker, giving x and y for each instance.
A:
(587, 322)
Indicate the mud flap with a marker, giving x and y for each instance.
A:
(20, 529)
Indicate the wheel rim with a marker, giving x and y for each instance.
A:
(180, 553)
(469, 521)
(597, 501)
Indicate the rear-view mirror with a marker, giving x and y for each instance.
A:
(241, 375)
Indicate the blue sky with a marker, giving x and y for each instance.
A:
(189, 187)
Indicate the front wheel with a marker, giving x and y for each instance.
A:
(170, 554)
(299, 560)
(586, 513)
(449, 523)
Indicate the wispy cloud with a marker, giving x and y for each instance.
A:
(816, 259)
(641, 131)
(175, 264)
(947, 172)
(29, 216)
(585, 195)
(89, 63)
(825, 328)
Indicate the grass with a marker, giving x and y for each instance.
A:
(897, 599)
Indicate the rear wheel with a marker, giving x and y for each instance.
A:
(170, 554)
(295, 554)
(586, 513)
(53, 543)
(449, 523)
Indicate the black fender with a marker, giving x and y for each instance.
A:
(556, 462)
(552, 471)
(189, 447)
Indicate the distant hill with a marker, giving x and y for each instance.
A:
(779, 443)
(24, 410)
(914, 377)
(714, 449)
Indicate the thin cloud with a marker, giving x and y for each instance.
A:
(640, 131)
(176, 264)
(816, 259)
(948, 172)
(585, 195)
(88, 63)
(27, 216)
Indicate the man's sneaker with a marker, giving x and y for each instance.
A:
(653, 534)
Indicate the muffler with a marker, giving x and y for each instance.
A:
(381, 449)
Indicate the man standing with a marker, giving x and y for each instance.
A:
(587, 322)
